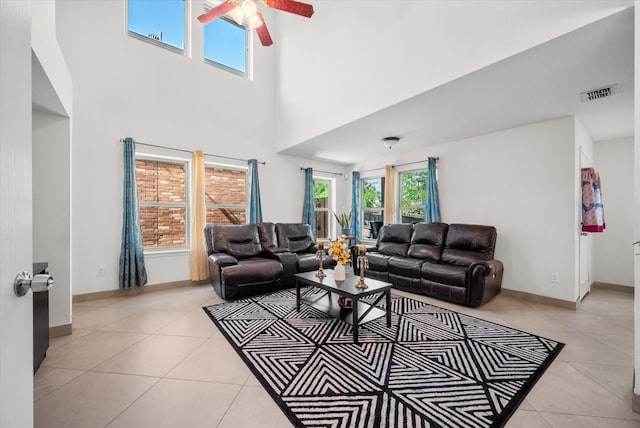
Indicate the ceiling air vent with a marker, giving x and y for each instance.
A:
(596, 94)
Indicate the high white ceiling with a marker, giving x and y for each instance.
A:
(539, 84)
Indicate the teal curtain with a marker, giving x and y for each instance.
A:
(355, 204)
(432, 203)
(255, 206)
(132, 271)
(309, 208)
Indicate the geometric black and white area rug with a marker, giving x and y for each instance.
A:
(432, 368)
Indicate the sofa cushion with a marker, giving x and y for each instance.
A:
(444, 273)
(427, 241)
(468, 243)
(268, 237)
(296, 237)
(394, 239)
(239, 240)
(406, 267)
(378, 262)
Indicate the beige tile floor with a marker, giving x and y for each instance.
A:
(156, 360)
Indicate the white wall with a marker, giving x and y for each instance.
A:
(613, 255)
(52, 208)
(353, 58)
(45, 46)
(522, 181)
(124, 87)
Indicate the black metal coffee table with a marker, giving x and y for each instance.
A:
(328, 302)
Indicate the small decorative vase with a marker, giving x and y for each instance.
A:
(339, 272)
(347, 231)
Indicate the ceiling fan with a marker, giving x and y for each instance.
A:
(240, 10)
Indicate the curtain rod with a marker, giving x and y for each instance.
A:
(411, 163)
(400, 164)
(189, 151)
(325, 172)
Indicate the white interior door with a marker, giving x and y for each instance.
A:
(586, 255)
(586, 245)
(16, 318)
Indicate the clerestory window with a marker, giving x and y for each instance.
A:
(226, 45)
(160, 22)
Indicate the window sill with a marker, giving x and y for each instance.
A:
(165, 253)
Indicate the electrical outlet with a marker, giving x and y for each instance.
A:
(554, 277)
(101, 271)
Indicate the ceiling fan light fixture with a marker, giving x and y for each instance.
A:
(389, 142)
(237, 15)
(249, 8)
(247, 11)
(255, 21)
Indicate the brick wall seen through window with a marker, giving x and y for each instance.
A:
(163, 202)
(225, 195)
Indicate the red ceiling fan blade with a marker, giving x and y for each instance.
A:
(217, 12)
(291, 6)
(263, 32)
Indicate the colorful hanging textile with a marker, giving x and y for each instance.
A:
(592, 211)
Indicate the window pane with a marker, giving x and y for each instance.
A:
(373, 192)
(373, 221)
(413, 188)
(412, 215)
(172, 182)
(147, 180)
(226, 216)
(160, 20)
(163, 226)
(226, 43)
(322, 224)
(225, 186)
(160, 181)
(321, 196)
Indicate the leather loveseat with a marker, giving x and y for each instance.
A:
(250, 259)
(450, 262)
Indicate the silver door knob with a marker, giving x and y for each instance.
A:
(24, 281)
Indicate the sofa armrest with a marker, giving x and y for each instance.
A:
(289, 262)
(272, 251)
(486, 268)
(314, 249)
(223, 259)
(484, 280)
(216, 261)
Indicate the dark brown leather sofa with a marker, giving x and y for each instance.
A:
(450, 262)
(250, 259)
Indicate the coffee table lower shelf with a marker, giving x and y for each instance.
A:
(328, 302)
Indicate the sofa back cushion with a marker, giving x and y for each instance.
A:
(427, 241)
(468, 243)
(239, 240)
(297, 237)
(208, 238)
(394, 239)
(268, 237)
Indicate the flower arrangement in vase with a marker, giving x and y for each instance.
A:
(339, 253)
